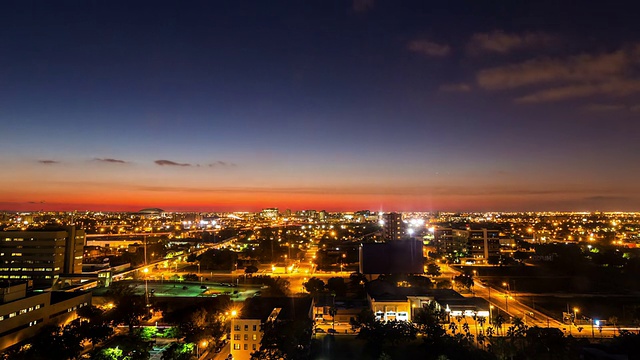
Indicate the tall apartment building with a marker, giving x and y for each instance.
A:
(480, 243)
(393, 227)
(247, 329)
(41, 255)
(446, 242)
(484, 243)
(22, 314)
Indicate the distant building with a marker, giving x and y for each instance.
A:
(400, 303)
(269, 213)
(151, 213)
(394, 257)
(22, 314)
(308, 214)
(41, 255)
(393, 228)
(481, 243)
(246, 330)
(445, 242)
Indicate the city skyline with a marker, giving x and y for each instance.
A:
(329, 105)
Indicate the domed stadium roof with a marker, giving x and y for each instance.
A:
(151, 211)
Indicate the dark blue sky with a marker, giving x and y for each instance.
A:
(335, 104)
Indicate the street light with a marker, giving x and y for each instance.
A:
(204, 344)
(146, 286)
(507, 295)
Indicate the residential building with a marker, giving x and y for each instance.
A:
(393, 228)
(481, 243)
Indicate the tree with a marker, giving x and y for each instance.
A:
(337, 286)
(333, 311)
(614, 321)
(127, 347)
(277, 286)
(285, 340)
(498, 321)
(191, 277)
(250, 270)
(314, 285)
(179, 351)
(465, 280)
(129, 307)
(377, 334)
(95, 332)
(433, 270)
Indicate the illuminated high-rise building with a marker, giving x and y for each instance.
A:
(393, 227)
(41, 255)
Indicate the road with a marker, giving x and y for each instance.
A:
(508, 302)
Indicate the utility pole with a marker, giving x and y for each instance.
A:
(145, 249)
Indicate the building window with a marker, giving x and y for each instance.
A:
(255, 337)
(255, 327)
(253, 347)
(236, 336)
(236, 346)
(246, 328)
(246, 346)
(236, 327)
(246, 336)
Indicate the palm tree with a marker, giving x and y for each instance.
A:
(498, 321)
(333, 311)
(614, 321)
(453, 327)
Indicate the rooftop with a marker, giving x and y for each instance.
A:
(292, 308)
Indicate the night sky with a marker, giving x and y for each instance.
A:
(336, 105)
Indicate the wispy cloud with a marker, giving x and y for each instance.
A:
(604, 107)
(460, 87)
(541, 71)
(220, 163)
(429, 48)
(611, 74)
(170, 163)
(501, 42)
(614, 88)
(48, 162)
(109, 160)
